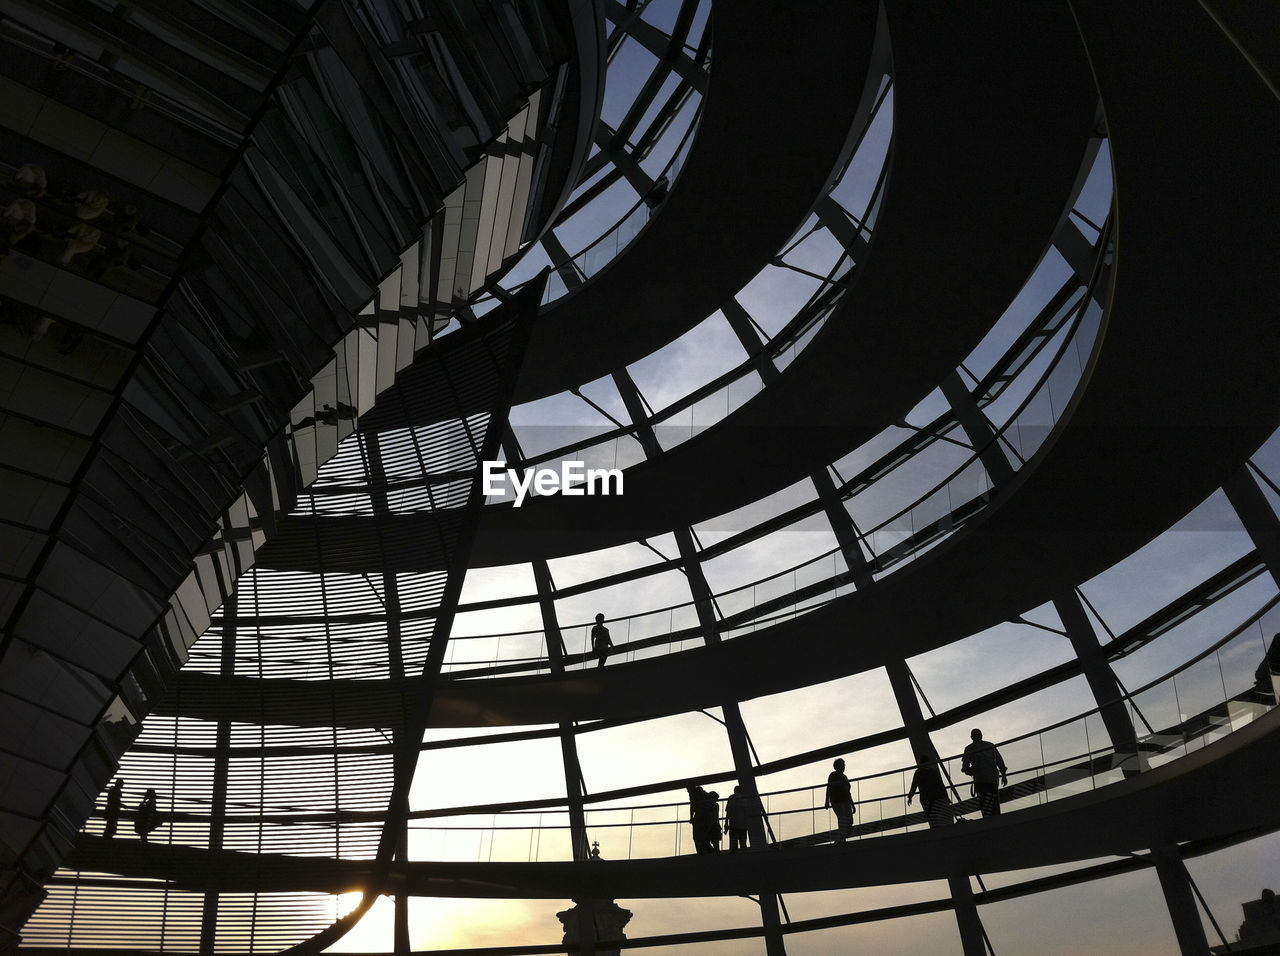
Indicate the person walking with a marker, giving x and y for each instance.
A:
(927, 780)
(983, 762)
(704, 818)
(115, 797)
(740, 812)
(840, 800)
(600, 640)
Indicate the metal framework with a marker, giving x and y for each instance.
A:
(916, 438)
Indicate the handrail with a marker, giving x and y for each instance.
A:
(1068, 342)
(1035, 780)
(1152, 744)
(894, 555)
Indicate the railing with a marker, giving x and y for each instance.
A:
(968, 488)
(1067, 758)
(606, 247)
(1068, 336)
(713, 402)
(1181, 711)
(602, 250)
(935, 513)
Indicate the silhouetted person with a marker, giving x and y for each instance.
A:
(115, 796)
(696, 796)
(740, 812)
(147, 816)
(707, 826)
(704, 816)
(714, 836)
(927, 780)
(657, 193)
(840, 800)
(600, 640)
(127, 221)
(1269, 668)
(983, 762)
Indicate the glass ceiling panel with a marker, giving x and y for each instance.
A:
(701, 355)
(773, 296)
(963, 670)
(757, 512)
(823, 714)
(1187, 638)
(489, 584)
(1206, 540)
(593, 565)
(629, 68)
(1120, 908)
(641, 753)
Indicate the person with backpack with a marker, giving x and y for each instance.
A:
(740, 812)
(704, 818)
(147, 817)
(982, 761)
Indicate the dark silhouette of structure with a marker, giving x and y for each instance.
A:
(604, 921)
(276, 277)
(1265, 676)
(1261, 919)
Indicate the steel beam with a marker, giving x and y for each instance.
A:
(1175, 882)
(1107, 692)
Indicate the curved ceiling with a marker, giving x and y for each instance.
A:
(765, 146)
(1178, 360)
(953, 244)
(995, 106)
